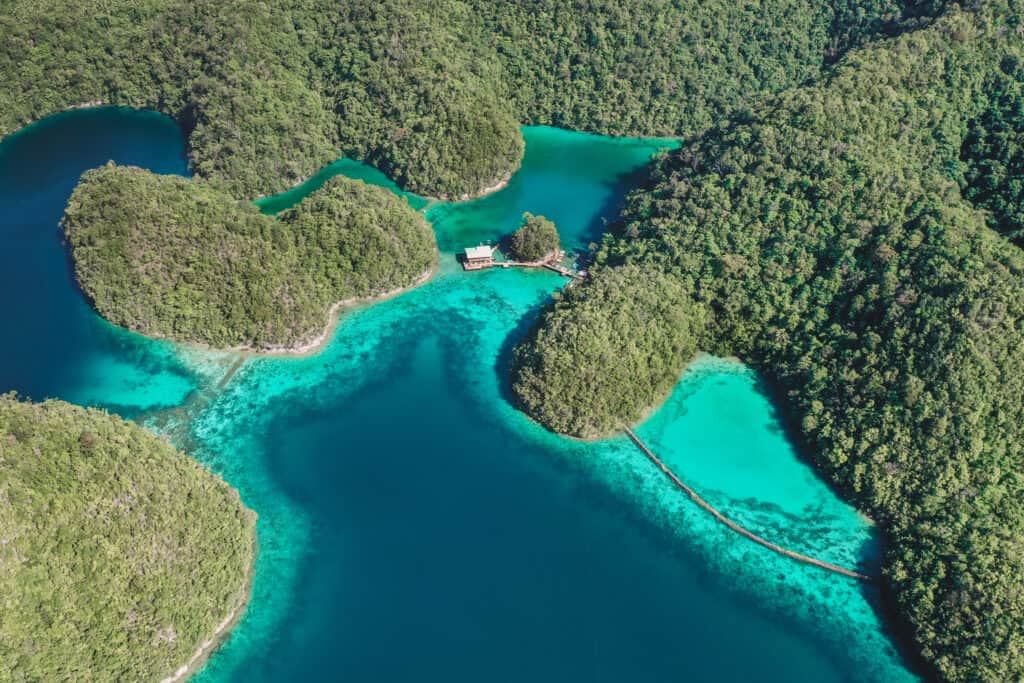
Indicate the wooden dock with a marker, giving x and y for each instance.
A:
(553, 263)
(799, 557)
(561, 270)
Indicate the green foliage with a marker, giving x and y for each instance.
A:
(431, 92)
(827, 242)
(818, 232)
(994, 153)
(587, 348)
(178, 259)
(537, 238)
(119, 556)
(647, 67)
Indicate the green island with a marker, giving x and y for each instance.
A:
(184, 261)
(121, 559)
(534, 240)
(431, 93)
(840, 239)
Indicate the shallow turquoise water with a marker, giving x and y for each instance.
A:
(412, 524)
(345, 167)
(576, 180)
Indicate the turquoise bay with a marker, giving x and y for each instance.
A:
(413, 525)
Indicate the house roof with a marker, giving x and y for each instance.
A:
(479, 252)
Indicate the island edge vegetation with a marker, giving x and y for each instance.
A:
(183, 261)
(431, 92)
(830, 217)
(536, 238)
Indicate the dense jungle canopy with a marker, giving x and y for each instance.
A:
(844, 214)
(430, 91)
(119, 555)
(536, 238)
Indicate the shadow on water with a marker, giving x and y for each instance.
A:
(61, 345)
(592, 234)
(608, 215)
(503, 363)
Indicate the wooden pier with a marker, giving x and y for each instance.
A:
(799, 557)
(482, 258)
(561, 270)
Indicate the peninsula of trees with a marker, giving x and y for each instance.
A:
(431, 92)
(183, 261)
(119, 556)
(849, 239)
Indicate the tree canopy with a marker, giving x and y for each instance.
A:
(178, 259)
(430, 91)
(119, 556)
(993, 153)
(535, 239)
(838, 216)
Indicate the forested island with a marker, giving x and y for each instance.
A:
(432, 93)
(184, 261)
(120, 557)
(535, 239)
(840, 238)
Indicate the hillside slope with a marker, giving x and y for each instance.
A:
(824, 238)
(431, 92)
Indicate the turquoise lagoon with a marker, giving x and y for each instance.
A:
(413, 525)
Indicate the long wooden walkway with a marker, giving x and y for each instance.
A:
(736, 527)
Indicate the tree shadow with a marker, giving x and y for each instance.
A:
(607, 220)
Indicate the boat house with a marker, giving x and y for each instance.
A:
(476, 258)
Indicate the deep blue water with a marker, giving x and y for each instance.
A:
(413, 526)
(54, 345)
(459, 564)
